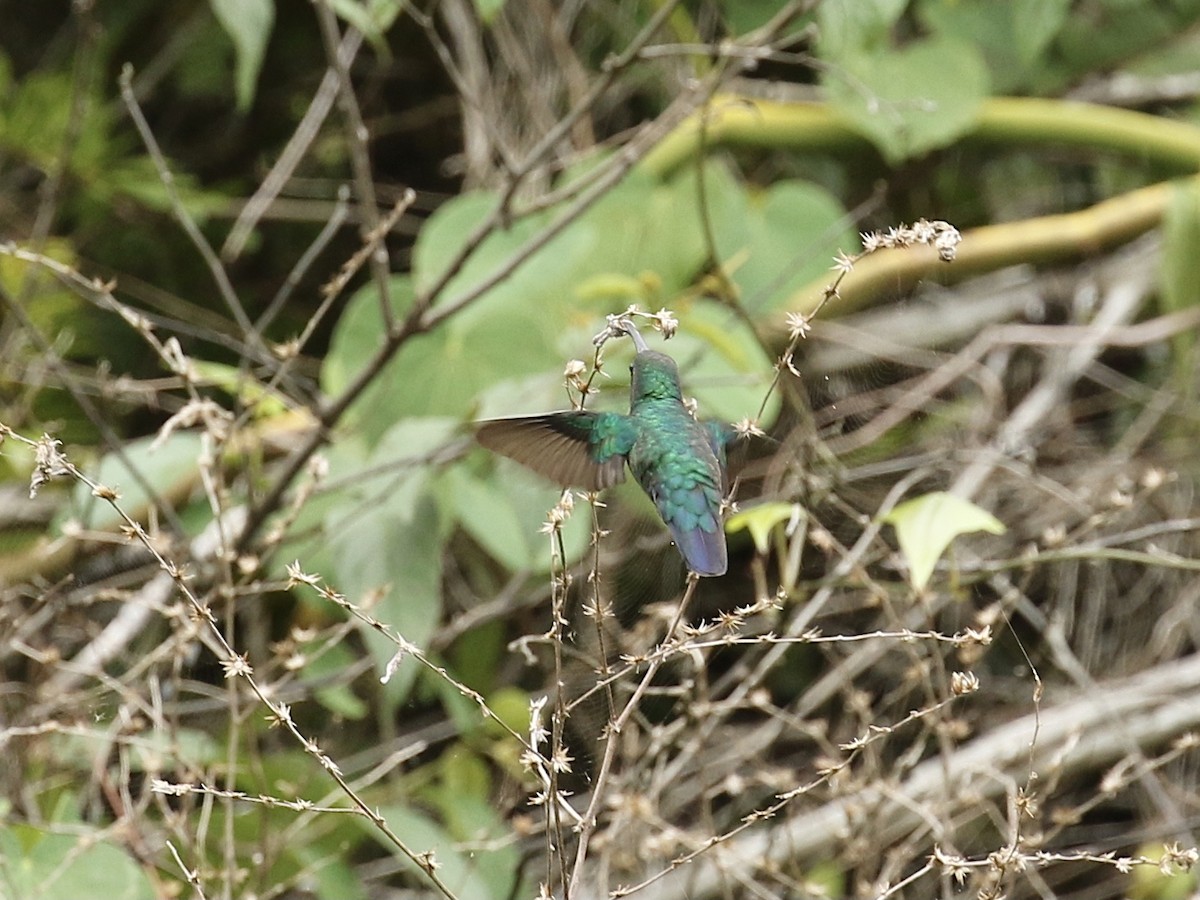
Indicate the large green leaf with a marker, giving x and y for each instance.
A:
(644, 233)
(780, 240)
(372, 17)
(640, 226)
(1117, 32)
(486, 875)
(385, 540)
(505, 516)
(40, 865)
(488, 10)
(335, 877)
(761, 520)
(169, 469)
(851, 26)
(912, 100)
(540, 284)
(926, 525)
(440, 373)
(1013, 36)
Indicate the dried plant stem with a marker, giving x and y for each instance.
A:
(215, 267)
(1156, 705)
(590, 819)
(112, 441)
(360, 162)
(51, 464)
(297, 146)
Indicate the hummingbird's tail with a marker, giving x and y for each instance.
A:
(704, 552)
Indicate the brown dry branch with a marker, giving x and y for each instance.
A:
(51, 464)
(1158, 706)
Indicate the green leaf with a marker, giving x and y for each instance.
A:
(744, 16)
(372, 18)
(338, 698)
(335, 877)
(156, 751)
(643, 228)
(1172, 882)
(926, 525)
(248, 24)
(479, 350)
(385, 541)
(545, 276)
(1012, 36)
(511, 706)
(912, 100)
(1118, 33)
(306, 540)
(485, 513)
(38, 865)
(505, 515)
(781, 239)
(483, 874)
(850, 26)
(392, 551)
(488, 10)
(385, 12)
(37, 116)
(761, 520)
(544, 313)
(169, 469)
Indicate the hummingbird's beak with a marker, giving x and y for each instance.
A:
(636, 336)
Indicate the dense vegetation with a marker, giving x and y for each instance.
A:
(273, 625)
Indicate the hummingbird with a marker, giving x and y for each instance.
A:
(678, 461)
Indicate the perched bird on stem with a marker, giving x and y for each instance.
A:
(678, 461)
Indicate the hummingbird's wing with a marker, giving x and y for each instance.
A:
(720, 436)
(573, 448)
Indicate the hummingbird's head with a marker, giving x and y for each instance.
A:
(654, 377)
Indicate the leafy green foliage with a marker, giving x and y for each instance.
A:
(168, 469)
(1013, 37)
(36, 118)
(926, 525)
(1112, 33)
(385, 543)
(776, 240)
(39, 864)
(487, 875)
(849, 27)
(505, 515)
(372, 17)
(551, 305)
(412, 523)
(488, 9)
(913, 99)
